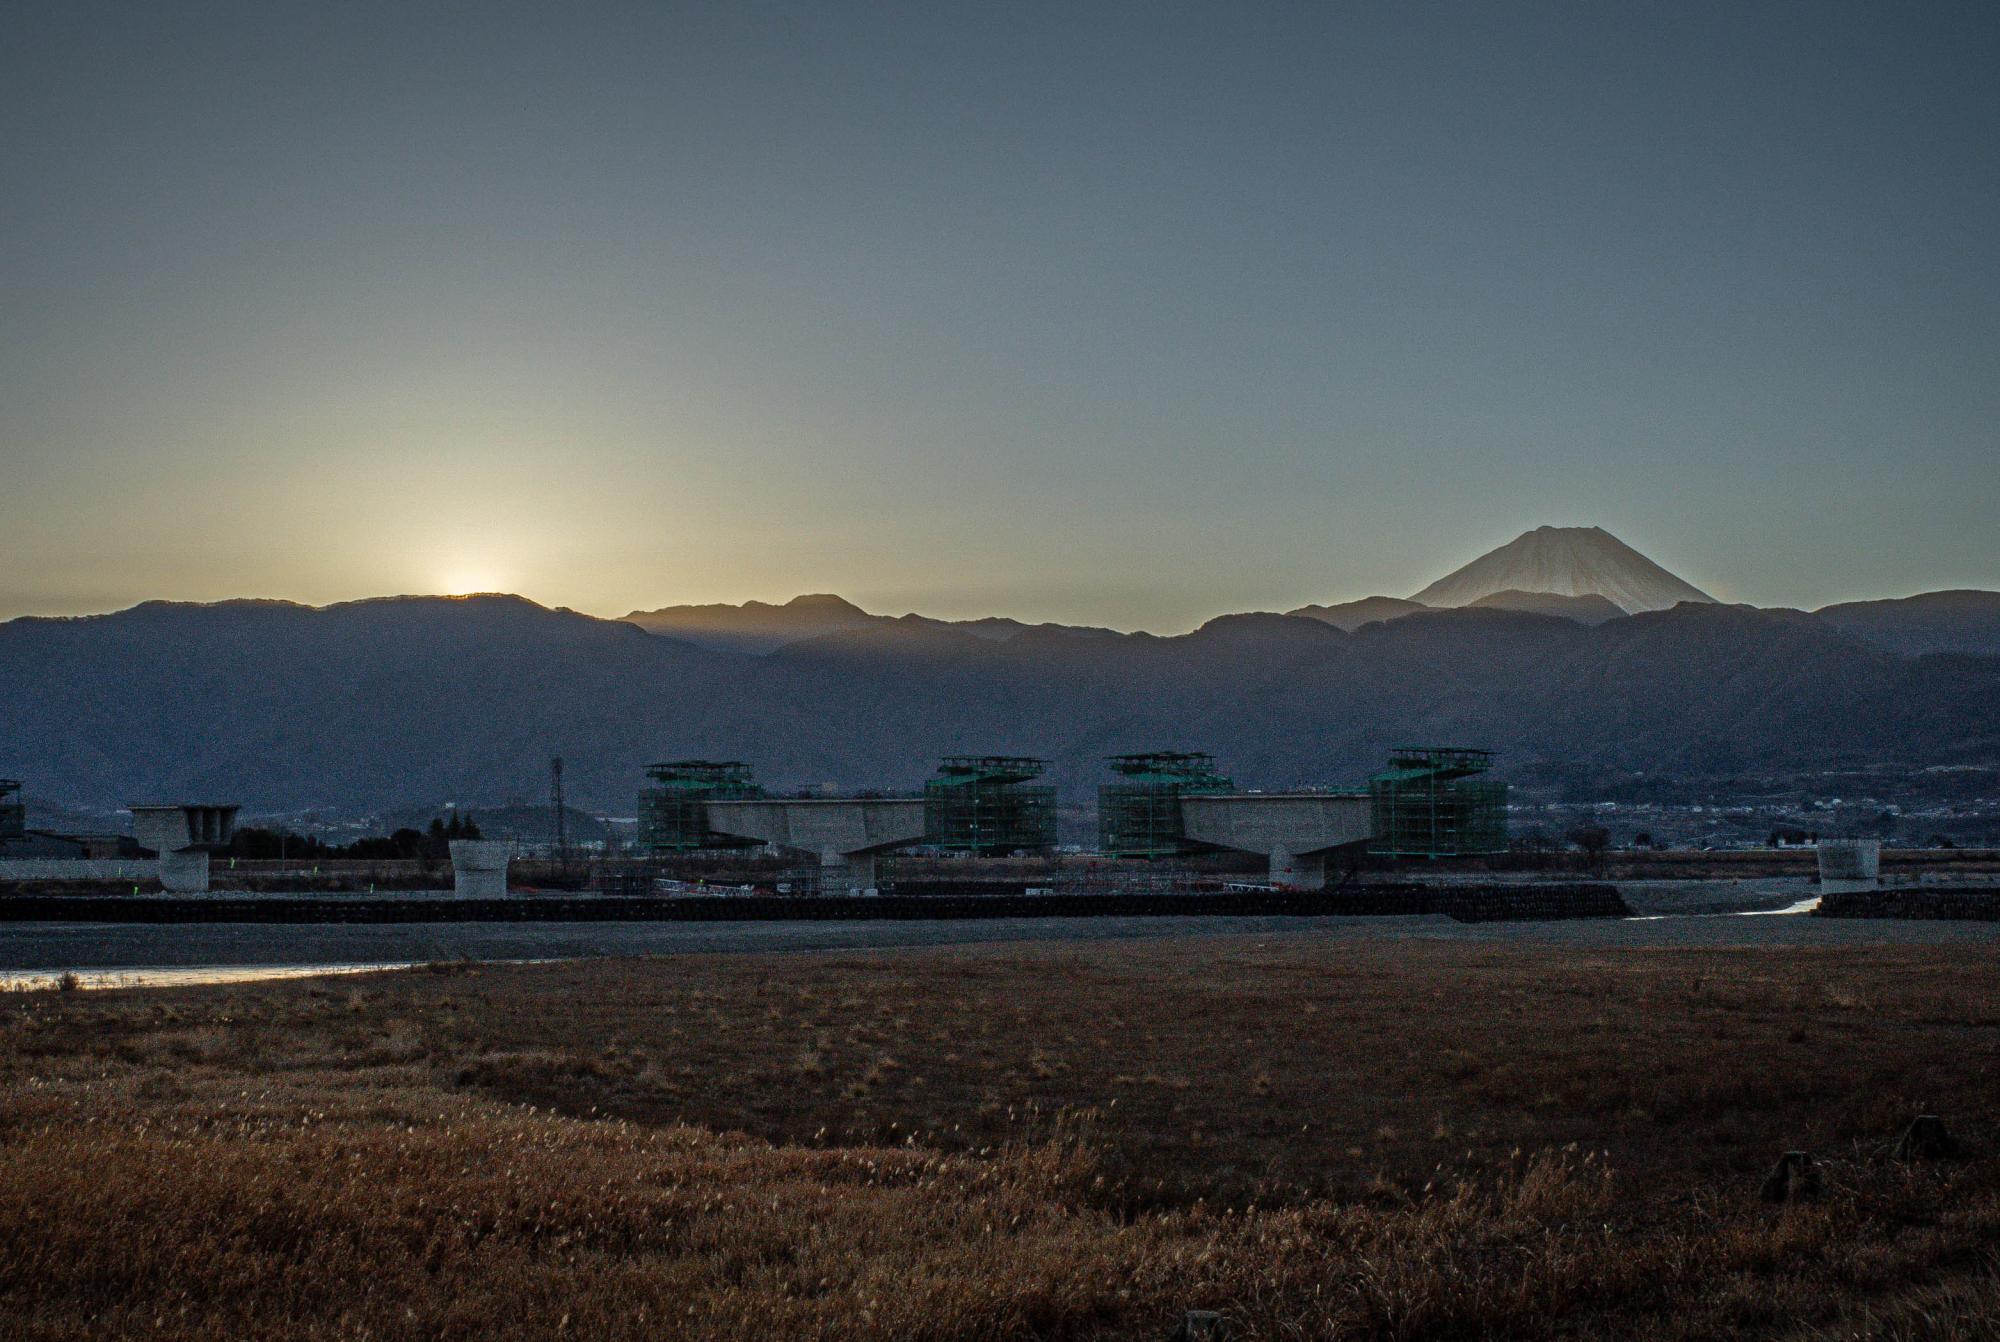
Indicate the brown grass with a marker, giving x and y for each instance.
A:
(1322, 1139)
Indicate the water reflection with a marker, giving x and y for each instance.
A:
(29, 981)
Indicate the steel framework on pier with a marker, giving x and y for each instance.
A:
(1432, 802)
(985, 804)
(1140, 814)
(673, 812)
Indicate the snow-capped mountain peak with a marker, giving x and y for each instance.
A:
(1568, 561)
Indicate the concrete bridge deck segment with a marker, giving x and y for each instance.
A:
(1295, 829)
(845, 833)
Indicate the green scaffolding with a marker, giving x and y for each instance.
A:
(1431, 802)
(673, 811)
(1140, 814)
(13, 814)
(983, 804)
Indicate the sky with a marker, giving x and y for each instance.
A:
(1124, 315)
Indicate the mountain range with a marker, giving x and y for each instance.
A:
(1583, 574)
(366, 706)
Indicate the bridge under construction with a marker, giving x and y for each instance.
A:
(1429, 802)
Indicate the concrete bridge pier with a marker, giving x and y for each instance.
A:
(847, 835)
(1296, 830)
(479, 867)
(843, 872)
(1848, 865)
(183, 836)
(184, 873)
(1298, 871)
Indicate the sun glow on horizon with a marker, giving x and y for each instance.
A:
(469, 581)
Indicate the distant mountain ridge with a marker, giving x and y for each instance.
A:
(370, 706)
(1590, 608)
(758, 627)
(755, 626)
(1956, 621)
(1351, 615)
(1578, 573)
(1570, 562)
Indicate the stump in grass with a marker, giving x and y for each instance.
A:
(1201, 1325)
(1795, 1178)
(1926, 1139)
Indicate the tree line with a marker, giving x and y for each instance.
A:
(405, 845)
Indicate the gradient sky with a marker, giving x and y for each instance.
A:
(1126, 315)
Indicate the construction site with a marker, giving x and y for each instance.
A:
(991, 821)
(980, 824)
(1426, 832)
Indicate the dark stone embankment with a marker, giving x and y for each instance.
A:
(1981, 905)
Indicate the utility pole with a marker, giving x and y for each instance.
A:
(556, 805)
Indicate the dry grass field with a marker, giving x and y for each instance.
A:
(1319, 1138)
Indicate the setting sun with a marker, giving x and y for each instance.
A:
(468, 581)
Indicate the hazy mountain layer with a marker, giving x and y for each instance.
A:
(1351, 615)
(757, 627)
(1960, 621)
(1587, 609)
